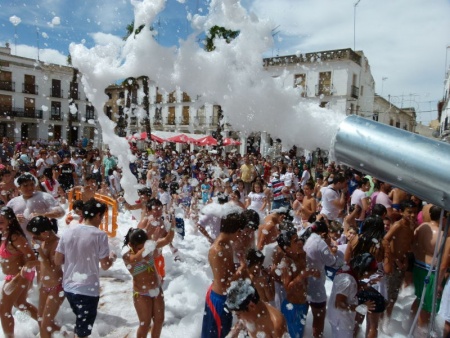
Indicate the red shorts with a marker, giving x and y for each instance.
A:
(160, 266)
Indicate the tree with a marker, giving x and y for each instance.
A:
(228, 35)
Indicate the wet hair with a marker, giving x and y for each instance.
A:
(77, 204)
(163, 186)
(232, 222)
(40, 224)
(372, 232)
(319, 177)
(93, 207)
(335, 227)
(145, 191)
(135, 236)
(319, 227)
(222, 198)
(407, 204)
(435, 213)
(153, 202)
(363, 263)
(251, 219)
(25, 177)
(237, 193)
(89, 178)
(285, 237)
(362, 181)
(254, 257)
(48, 173)
(14, 228)
(310, 185)
(240, 294)
(379, 210)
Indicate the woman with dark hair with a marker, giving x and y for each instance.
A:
(50, 184)
(319, 254)
(17, 261)
(51, 293)
(148, 295)
(369, 241)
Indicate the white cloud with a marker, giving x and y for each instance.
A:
(104, 39)
(45, 54)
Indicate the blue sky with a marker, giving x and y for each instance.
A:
(405, 40)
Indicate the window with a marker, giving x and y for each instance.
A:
(29, 107)
(108, 112)
(29, 85)
(172, 97)
(300, 81)
(185, 117)
(324, 83)
(186, 97)
(121, 95)
(397, 124)
(158, 96)
(391, 122)
(90, 113)
(109, 96)
(5, 104)
(74, 91)
(6, 81)
(55, 111)
(361, 93)
(352, 108)
(375, 117)
(56, 89)
(171, 116)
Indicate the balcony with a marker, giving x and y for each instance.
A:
(8, 86)
(74, 95)
(355, 92)
(90, 116)
(30, 89)
(73, 117)
(328, 55)
(12, 112)
(324, 90)
(55, 92)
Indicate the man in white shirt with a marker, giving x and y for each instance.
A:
(334, 197)
(80, 250)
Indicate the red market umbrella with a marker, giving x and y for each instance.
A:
(143, 136)
(228, 141)
(182, 138)
(206, 141)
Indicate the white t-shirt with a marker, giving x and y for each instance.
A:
(83, 246)
(40, 202)
(346, 285)
(328, 208)
(305, 177)
(357, 197)
(383, 199)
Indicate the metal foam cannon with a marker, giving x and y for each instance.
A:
(414, 163)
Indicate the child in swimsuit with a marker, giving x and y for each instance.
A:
(17, 260)
(51, 293)
(148, 296)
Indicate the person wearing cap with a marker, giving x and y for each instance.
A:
(255, 317)
(33, 203)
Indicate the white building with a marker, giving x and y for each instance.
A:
(386, 112)
(337, 79)
(40, 101)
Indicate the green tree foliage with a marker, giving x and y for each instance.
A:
(219, 32)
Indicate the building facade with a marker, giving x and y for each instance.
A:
(40, 101)
(444, 110)
(387, 113)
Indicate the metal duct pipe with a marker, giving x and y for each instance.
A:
(416, 164)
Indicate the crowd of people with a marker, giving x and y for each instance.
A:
(277, 228)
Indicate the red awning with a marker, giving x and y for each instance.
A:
(206, 141)
(182, 138)
(228, 141)
(143, 136)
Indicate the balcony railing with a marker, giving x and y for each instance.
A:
(74, 95)
(90, 116)
(324, 90)
(54, 92)
(8, 85)
(30, 89)
(11, 112)
(73, 117)
(355, 92)
(56, 117)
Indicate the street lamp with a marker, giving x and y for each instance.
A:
(384, 78)
(354, 25)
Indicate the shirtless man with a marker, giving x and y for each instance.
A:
(294, 276)
(397, 248)
(256, 317)
(216, 320)
(88, 190)
(144, 196)
(309, 205)
(425, 238)
(268, 231)
(397, 195)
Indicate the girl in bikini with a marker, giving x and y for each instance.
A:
(51, 293)
(148, 296)
(17, 260)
